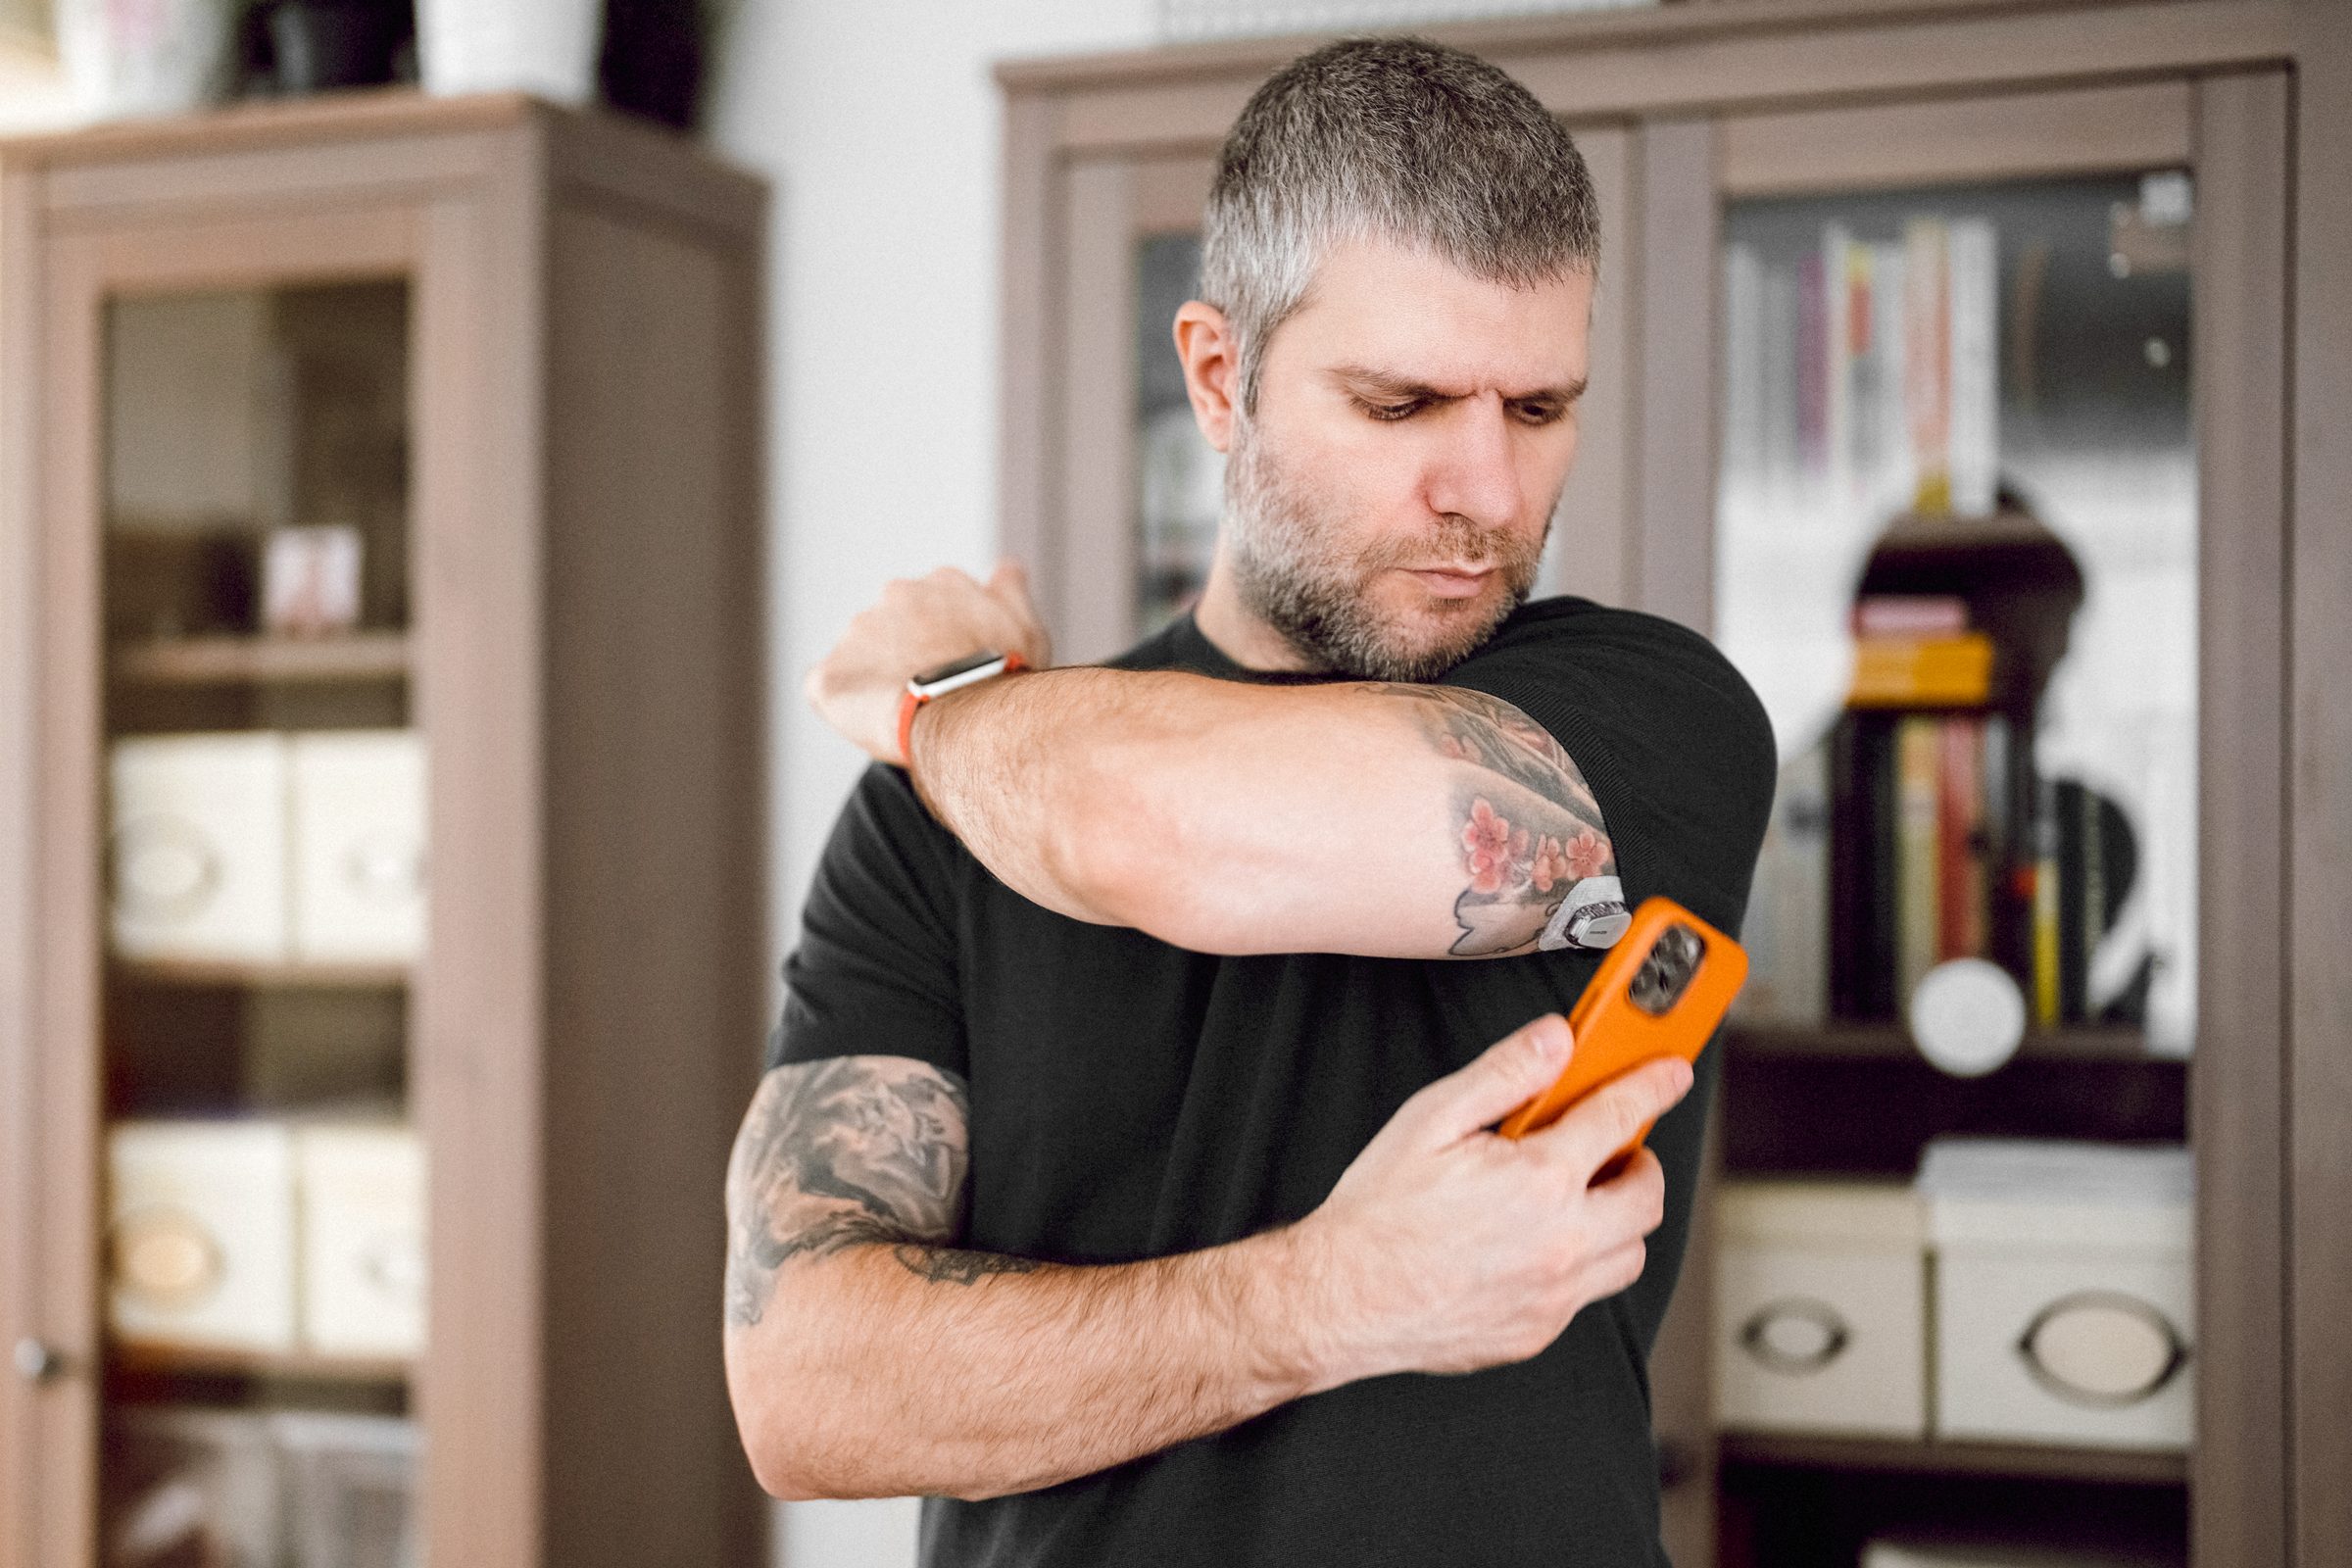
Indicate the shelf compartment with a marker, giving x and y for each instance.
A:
(150, 1359)
(290, 975)
(1933, 1457)
(367, 655)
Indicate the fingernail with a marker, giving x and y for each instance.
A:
(1551, 1037)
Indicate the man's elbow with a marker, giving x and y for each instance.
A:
(775, 1416)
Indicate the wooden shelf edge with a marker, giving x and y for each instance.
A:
(1934, 1457)
(152, 1358)
(287, 976)
(215, 661)
(1846, 1042)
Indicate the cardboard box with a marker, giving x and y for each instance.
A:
(198, 846)
(1820, 1307)
(2064, 1303)
(358, 845)
(362, 1239)
(201, 1234)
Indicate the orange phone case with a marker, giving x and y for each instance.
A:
(1615, 1033)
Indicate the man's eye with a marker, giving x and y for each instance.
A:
(1389, 410)
(1540, 413)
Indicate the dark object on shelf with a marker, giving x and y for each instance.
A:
(180, 581)
(654, 58)
(294, 47)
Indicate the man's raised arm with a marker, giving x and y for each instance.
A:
(868, 1356)
(1390, 820)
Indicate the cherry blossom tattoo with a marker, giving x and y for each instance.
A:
(848, 1152)
(1530, 829)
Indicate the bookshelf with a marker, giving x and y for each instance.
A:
(373, 656)
(1708, 127)
(2024, 1461)
(397, 1157)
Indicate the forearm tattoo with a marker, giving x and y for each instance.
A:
(848, 1152)
(1523, 847)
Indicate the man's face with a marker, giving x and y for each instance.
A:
(1387, 506)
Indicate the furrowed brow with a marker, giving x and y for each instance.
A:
(1386, 383)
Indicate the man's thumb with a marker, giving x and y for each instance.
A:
(1506, 1076)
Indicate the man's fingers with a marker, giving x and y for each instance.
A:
(1606, 1119)
(1631, 1203)
(1498, 1081)
(1010, 582)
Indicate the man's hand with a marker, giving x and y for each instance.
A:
(919, 624)
(1448, 1247)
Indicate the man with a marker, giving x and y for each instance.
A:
(1122, 1173)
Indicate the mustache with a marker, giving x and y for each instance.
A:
(1455, 542)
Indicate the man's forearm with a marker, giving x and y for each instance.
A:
(1382, 819)
(884, 1370)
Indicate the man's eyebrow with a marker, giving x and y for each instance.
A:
(1389, 384)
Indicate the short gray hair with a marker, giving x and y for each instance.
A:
(1391, 139)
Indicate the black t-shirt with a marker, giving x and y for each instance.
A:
(1130, 1100)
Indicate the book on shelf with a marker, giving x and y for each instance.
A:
(1918, 895)
(1918, 844)
(1961, 872)
(1927, 363)
(1786, 930)
(1973, 400)
(1922, 671)
(1813, 340)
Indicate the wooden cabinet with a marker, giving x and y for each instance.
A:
(1704, 126)
(515, 349)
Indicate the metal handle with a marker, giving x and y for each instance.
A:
(37, 1362)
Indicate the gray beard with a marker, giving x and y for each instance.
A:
(1291, 577)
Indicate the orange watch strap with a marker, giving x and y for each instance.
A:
(909, 700)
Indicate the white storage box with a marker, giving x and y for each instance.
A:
(2064, 1310)
(201, 1234)
(362, 1239)
(198, 846)
(1820, 1309)
(359, 842)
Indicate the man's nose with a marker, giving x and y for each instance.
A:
(1474, 472)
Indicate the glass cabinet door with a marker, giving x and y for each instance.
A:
(264, 879)
(1180, 478)
(1957, 552)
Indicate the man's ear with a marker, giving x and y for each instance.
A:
(1213, 368)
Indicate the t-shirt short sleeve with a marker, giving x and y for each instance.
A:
(1671, 738)
(874, 972)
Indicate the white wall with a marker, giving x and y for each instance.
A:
(877, 123)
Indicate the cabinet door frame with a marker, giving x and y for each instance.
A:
(473, 1023)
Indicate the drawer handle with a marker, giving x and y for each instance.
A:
(1795, 1333)
(2102, 1349)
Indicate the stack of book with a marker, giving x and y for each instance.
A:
(1869, 367)
(1920, 838)
(1918, 833)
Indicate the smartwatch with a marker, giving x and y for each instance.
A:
(940, 680)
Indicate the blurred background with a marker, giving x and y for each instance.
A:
(436, 437)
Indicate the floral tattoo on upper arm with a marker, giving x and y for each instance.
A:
(846, 1151)
(1528, 825)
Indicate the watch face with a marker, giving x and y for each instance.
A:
(955, 668)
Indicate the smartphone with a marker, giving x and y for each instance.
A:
(1661, 992)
